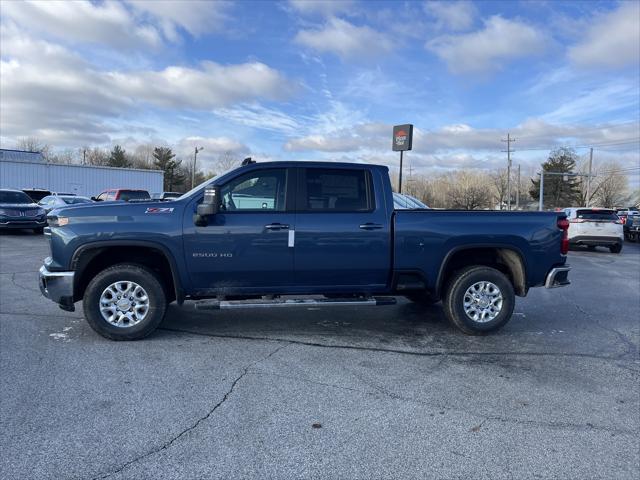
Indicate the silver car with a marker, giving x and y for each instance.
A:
(55, 201)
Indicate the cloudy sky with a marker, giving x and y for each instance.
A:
(326, 80)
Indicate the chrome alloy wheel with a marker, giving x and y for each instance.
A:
(124, 304)
(482, 302)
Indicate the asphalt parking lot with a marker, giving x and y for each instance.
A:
(383, 392)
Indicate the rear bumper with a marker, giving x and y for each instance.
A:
(595, 241)
(558, 277)
(58, 287)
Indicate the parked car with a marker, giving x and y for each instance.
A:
(623, 213)
(57, 201)
(36, 194)
(18, 210)
(631, 227)
(403, 201)
(165, 195)
(595, 227)
(124, 194)
(338, 221)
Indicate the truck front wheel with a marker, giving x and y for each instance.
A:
(479, 300)
(125, 302)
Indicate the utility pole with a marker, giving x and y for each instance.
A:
(193, 172)
(400, 175)
(589, 177)
(84, 156)
(518, 190)
(508, 150)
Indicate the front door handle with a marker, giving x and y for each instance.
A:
(371, 226)
(276, 226)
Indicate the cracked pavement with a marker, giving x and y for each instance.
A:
(395, 392)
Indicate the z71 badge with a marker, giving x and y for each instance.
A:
(159, 210)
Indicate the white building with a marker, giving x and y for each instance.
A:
(26, 170)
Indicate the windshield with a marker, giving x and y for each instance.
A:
(75, 200)
(204, 184)
(15, 197)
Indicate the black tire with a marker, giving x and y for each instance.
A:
(591, 248)
(453, 301)
(422, 298)
(38, 231)
(617, 248)
(144, 277)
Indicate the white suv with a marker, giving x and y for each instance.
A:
(595, 227)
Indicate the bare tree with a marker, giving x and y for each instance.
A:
(96, 156)
(500, 184)
(34, 144)
(612, 186)
(469, 190)
(227, 160)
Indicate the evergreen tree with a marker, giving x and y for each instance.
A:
(558, 191)
(173, 176)
(118, 158)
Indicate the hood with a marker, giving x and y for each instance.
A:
(111, 208)
(19, 205)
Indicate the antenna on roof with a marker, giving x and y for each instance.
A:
(247, 161)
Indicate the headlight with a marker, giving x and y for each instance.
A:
(41, 211)
(3, 211)
(56, 221)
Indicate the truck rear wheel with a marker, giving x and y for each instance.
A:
(479, 300)
(125, 302)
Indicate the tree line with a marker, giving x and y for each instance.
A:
(466, 189)
(178, 172)
(476, 189)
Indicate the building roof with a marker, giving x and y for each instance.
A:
(21, 156)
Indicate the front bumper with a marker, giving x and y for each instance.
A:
(21, 222)
(58, 287)
(558, 277)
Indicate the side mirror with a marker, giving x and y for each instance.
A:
(209, 206)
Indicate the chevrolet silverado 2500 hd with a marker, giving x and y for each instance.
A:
(323, 232)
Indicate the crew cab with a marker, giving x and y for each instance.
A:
(321, 232)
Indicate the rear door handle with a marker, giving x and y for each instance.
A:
(371, 226)
(276, 226)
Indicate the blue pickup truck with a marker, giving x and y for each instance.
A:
(286, 234)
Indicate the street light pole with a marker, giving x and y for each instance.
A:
(541, 201)
(193, 172)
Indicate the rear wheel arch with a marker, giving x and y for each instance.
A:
(90, 259)
(507, 259)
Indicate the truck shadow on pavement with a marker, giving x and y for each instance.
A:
(405, 324)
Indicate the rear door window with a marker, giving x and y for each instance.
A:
(337, 190)
(597, 215)
(127, 195)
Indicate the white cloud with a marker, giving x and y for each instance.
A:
(485, 50)
(49, 92)
(209, 86)
(463, 138)
(613, 39)
(108, 23)
(258, 116)
(196, 17)
(451, 15)
(323, 7)
(346, 40)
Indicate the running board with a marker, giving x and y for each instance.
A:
(293, 302)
